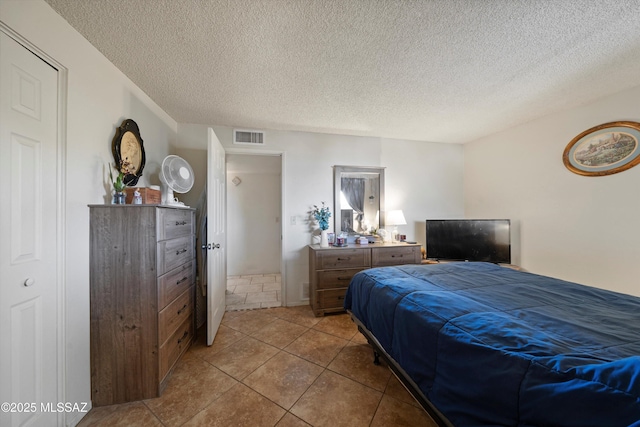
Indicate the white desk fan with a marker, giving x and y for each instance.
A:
(175, 175)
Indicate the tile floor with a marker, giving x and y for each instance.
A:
(253, 291)
(275, 367)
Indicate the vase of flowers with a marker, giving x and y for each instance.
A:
(119, 198)
(119, 184)
(322, 215)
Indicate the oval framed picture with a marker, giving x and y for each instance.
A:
(604, 150)
(128, 151)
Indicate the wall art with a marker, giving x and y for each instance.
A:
(604, 150)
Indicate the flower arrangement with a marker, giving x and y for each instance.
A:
(119, 185)
(322, 215)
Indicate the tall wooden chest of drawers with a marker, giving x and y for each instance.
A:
(331, 269)
(142, 276)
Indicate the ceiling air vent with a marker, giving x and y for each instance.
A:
(248, 137)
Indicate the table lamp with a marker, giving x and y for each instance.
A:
(395, 218)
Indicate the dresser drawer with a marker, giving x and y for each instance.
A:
(173, 253)
(336, 278)
(332, 298)
(343, 258)
(175, 282)
(174, 347)
(396, 256)
(175, 223)
(170, 318)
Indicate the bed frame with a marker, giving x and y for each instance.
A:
(402, 376)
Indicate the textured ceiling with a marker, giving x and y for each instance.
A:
(430, 70)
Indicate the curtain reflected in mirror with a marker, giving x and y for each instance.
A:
(358, 198)
(353, 192)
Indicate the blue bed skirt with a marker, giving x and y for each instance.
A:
(488, 345)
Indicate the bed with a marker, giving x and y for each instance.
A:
(479, 344)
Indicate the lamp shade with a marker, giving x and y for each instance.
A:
(395, 218)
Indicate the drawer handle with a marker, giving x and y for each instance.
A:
(186, 334)
(344, 278)
(182, 309)
(181, 251)
(342, 297)
(182, 280)
(181, 222)
(344, 259)
(397, 256)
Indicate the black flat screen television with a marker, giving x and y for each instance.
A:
(469, 240)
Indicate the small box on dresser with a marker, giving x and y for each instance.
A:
(331, 269)
(149, 195)
(142, 277)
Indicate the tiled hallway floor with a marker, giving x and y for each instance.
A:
(253, 291)
(275, 367)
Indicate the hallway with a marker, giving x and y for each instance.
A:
(253, 291)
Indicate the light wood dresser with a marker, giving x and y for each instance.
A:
(142, 274)
(331, 269)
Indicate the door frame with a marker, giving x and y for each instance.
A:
(251, 152)
(61, 199)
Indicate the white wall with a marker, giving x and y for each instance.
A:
(197, 159)
(253, 214)
(577, 228)
(100, 97)
(423, 179)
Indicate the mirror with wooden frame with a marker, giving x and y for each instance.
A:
(128, 151)
(358, 199)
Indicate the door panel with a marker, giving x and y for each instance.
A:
(28, 258)
(26, 200)
(26, 339)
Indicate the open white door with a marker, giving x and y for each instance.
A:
(216, 236)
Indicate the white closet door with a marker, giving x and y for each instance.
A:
(28, 246)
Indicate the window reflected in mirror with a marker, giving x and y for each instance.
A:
(358, 199)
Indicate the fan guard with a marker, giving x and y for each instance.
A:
(176, 175)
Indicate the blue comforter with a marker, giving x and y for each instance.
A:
(488, 345)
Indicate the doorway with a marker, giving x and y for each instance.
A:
(254, 231)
